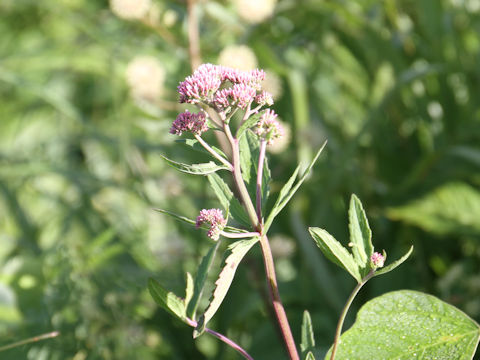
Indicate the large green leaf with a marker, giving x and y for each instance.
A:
(234, 255)
(451, 208)
(289, 189)
(195, 169)
(335, 252)
(167, 300)
(407, 324)
(360, 234)
(200, 279)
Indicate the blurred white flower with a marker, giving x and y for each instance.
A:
(281, 143)
(272, 84)
(282, 246)
(130, 9)
(145, 77)
(170, 17)
(238, 57)
(255, 11)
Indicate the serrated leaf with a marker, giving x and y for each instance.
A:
(335, 252)
(409, 325)
(360, 234)
(450, 209)
(166, 299)
(309, 356)
(250, 122)
(308, 339)
(289, 189)
(196, 169)
(226, 198)
(200, 279)
(234, 255)
(395, 264)
(195, 145)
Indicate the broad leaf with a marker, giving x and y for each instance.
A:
(228, 201)
(451, 208)
(308, 339)
(335, 252)
(234, 255)
(196, 169)
(409, 325)
(395, 264)
(200, 279)
(289, 189)
(360, 235)
(167, 300)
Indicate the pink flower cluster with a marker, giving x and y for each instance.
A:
(268, 128)
(190, 122)
(221, 87)
(214, 217)
(377, 259)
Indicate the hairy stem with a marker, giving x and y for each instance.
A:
(354, 293)
(213, 152)
(261, 160)
(223, 338)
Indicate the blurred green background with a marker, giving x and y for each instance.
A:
(88, 94)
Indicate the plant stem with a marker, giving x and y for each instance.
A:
(261, 160)
(266, 251)
(354, 293)
(30, 340)
(223, 338)
(213, 152)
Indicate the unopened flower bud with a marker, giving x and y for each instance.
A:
(190, 122)
(214, 217)
(377, 259)
(268, 128)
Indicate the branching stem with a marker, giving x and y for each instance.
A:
(213, 152)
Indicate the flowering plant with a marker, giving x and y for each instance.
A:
(401, 324)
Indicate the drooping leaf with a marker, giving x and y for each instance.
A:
(289, 189)
(360, 234)
(409, 325)
(226, 198)
(234, 255)
(200, 279)
(196, 169)
(335, 252)
(394, 264)
(195, 145)
(451, 208)
(308, 339)
(167, 300)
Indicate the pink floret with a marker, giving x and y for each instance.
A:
(214, 217)
(189, 122)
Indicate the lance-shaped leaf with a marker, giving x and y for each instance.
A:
(360, 235)
(394, 264)
(289, 189)
(234, 255)
(250, 122)
(409, 325)
(335, 252)
(200, 279)
(228, 201)
(167, 300)
(308, 339)
(196, 169)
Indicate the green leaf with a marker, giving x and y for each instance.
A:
(234, 255)
(395, 264)
(177, 217)
(289, 189)
(195, 145)
(250, 122)
(189, 289)
(167, 300)
(309, 356)
(360, 235)
(450, 209)
(200, 279)
(308, 339)
(409, 325)
(228, 201)
(248, 147)
(335, 252)
(196, 169)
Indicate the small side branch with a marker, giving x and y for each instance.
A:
(213, 152)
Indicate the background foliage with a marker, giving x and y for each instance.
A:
(392, 85)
